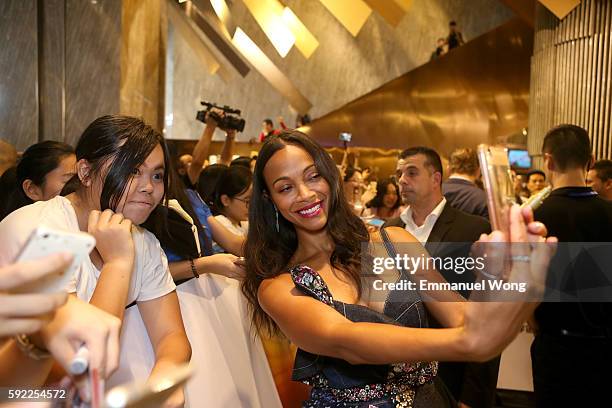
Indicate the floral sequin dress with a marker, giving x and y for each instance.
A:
(337, 383)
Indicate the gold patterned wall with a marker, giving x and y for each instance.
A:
(477, 93)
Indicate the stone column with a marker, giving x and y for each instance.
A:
(571, 70)
(143, 59)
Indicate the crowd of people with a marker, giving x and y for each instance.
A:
(293, 231)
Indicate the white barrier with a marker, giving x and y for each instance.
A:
(231, 369)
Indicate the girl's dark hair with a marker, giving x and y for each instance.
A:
(268, 252)
(349, 173)
(36, 162)
(122, 144)
(381, 191)
(232, 181)
(175, 235)
(40, 159)
(207, 182)
(242, 161)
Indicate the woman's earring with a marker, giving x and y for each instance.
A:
(277, 226)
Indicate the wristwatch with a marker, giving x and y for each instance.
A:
(30, 349)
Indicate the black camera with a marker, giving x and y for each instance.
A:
(225, 122)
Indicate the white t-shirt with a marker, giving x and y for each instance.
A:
(422, 232)
(151, 277)
(241, 230)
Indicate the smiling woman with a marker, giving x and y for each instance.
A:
(41, 174)
(309, 262)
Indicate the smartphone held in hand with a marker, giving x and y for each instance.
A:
(497, 180)
(45, 241)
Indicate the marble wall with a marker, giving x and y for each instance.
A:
(93, 72)
(340, 70)
(74, 60)
(19, 72)
(143, 56)
(60, 67)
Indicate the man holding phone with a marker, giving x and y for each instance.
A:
(445, 232)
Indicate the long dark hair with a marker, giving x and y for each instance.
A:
(268, 252)
(207, 182)
(175, 235)
(36, 162)
(233, 181)
(122, 143)
(381, 191)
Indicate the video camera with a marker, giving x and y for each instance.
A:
(225, 122)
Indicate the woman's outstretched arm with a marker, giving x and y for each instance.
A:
(318, 328)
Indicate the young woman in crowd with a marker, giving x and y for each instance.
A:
(353, 189)
(386, 203)
(231, 198)
(208, 182)
(307, 277)
(41, 174)
(121, 168)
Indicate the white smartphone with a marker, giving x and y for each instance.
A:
(45, 241)
(144, 394)
(497, 180)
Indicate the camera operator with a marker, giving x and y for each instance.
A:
(202, 148)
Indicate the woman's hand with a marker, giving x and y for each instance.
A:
(227, 265)
(113, 233)
(79, 323)
(175, 400)
(493, 318)
(28, 313)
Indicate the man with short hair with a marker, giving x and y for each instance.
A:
(460, 188)
(536, 181)
(441, 228)
(572, 350)
(599, 178)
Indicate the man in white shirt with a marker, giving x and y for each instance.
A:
(445, 232)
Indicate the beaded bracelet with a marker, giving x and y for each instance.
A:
(30, 349)
(194, 270)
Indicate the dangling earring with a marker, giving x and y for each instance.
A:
(276, 212)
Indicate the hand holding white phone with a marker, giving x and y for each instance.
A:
(45, 241)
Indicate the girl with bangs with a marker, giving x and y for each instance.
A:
(121, 177)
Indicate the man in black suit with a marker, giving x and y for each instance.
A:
(460, 189)
(445, 232)
(572, 350)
